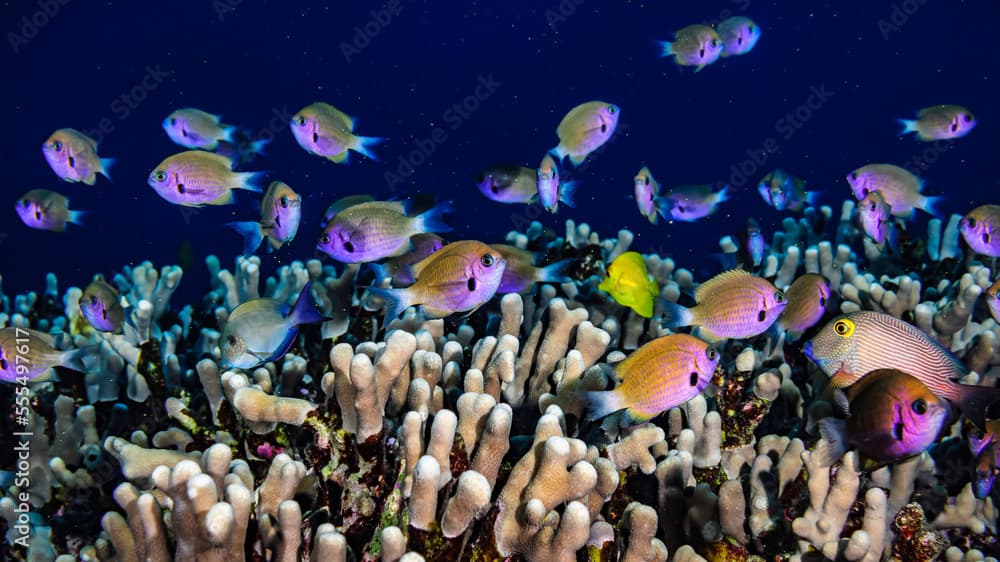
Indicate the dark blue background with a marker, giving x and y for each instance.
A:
(261, 58)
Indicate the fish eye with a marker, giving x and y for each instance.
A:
(611, 109)
(843, 327)
(173, 121)
(967, 117)
(647, 180)
(325, 239)
(854, 175)
(779, 297)
(486, 260)
(160, 175)
(231, 340)
(284, 202)
(750, 28)
(711, 353)
(57, 145)
(971, 221)
(919, 406)
(871, 206)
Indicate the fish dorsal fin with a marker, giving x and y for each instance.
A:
(346, 202)
(714, 283)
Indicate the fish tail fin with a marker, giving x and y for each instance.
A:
(567, 192)
(675, 315)
(909, 126)
(663, 205)
(252, 235)
(577, 159)
(258, 146)
(251, 181)
(666, 48)
(974, 401)
(396, 301)
(364, 145)
(76, 217)
(601, 403)
(559, 152)
(73, 358)
(931, 204)
(557, 272)
(304, 311)
(834, 433)
(380, 271)
(812, 197)
(229, 132)
(724, 194)
(699, 68)
(432, 220)
(106, 164)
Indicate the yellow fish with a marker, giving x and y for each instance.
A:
(660, 375)
(630, 284)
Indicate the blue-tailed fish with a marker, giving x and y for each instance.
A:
(807, 298)
(550, 189)
(690, 202)
(891, 416)
(662, 374)
(42, 209)
(459, 277)
(739, 35)
(900, 188)
(941, 122)
(630, 284)
(733, 304)
(520, 274)
(695, 45)
(752, 243)
(27, 354)
(584, 129)
(72, 155)
(507, 183)
(280, 215)
(195, 178)
(263, 330)
(981, 230)
(326, 131)
(194, 128)
(101, 306)
(854, 344)
(646, 191)
(784, 191)
(359, 230)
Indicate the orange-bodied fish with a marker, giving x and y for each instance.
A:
(630, 284)
(660, 375)
(733, 304)
(891, 416)
(457, 278)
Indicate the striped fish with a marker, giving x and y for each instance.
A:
(733, 304)
(660, 375)
(858, 343)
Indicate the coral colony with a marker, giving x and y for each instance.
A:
(465, 438)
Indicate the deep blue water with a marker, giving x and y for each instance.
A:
(131, 63)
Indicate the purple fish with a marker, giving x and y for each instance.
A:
(508, 183)
(27, 354)
(326, 131)
(361, 231)
(280, 215)
(195, 178)
(646, 193)
(739, 35)
(807, 298)
(690, 203)
(73, 157)
(875, 216)
(695, 45)
(399, 268)
(101, 305)
(521, 273)
(550, 190)
(460, 277)
(42, 209)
